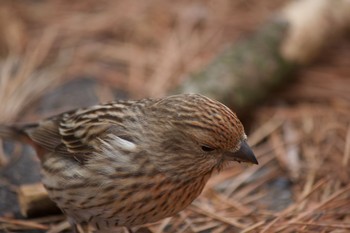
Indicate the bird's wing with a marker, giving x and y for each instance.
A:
(78, 133)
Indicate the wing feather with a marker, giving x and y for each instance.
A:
(79, 133)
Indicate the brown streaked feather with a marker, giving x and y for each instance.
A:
(78, 133)
(46, 134)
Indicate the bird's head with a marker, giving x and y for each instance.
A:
(196, 134)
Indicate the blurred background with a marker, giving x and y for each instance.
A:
(282, 65)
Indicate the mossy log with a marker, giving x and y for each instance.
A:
(246, 73)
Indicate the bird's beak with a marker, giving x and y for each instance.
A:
(244, 154)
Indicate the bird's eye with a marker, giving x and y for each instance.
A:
(206, 149)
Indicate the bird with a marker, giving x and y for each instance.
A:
(131, 162)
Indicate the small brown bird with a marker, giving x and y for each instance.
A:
(128, 163)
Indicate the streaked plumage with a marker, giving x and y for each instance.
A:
(128, 163)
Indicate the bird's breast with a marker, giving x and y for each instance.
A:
(121, 199)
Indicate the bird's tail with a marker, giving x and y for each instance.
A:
(17, 133)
